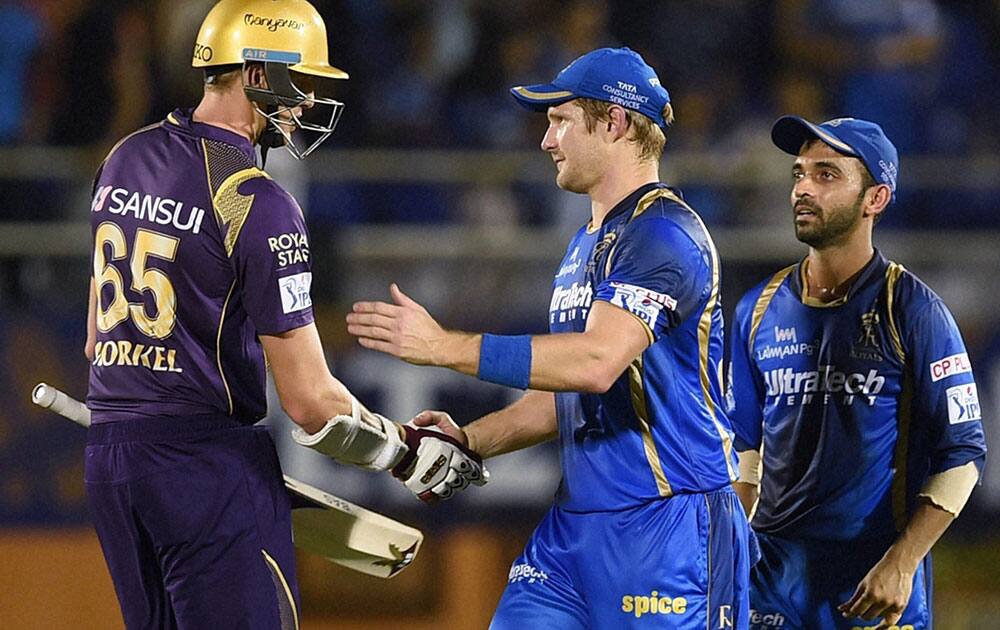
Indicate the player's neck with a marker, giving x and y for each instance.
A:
(831, 270)
(618, 184)
(231, 114)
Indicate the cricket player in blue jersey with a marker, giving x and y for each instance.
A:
(646, 530)
(851, 389)
(201, 266)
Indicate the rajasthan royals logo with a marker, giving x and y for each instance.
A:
(868, 323)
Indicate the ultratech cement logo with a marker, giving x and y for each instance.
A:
(802, 388)
(272, 24)
(569, 303)
(766, 620)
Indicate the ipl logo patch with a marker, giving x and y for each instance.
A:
(963, 403)
(295, 292)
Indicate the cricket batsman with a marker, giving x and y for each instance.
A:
(851, 389)
(201, 267)
(646, 531)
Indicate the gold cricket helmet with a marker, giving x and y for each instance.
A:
(286, 37)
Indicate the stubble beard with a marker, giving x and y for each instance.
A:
(829, 227)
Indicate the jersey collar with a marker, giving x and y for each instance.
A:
(874, 270)
(628, 204)
(181, 119)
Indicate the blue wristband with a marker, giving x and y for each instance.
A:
(505, 360)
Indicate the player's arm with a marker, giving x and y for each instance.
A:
(946, 406)
(583, 362)
(744, 403)
(333, 422)
(529, 421)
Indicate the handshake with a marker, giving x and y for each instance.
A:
(432, 462)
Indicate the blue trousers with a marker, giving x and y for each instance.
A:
(681, 562)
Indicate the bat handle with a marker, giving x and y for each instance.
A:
(49, 397)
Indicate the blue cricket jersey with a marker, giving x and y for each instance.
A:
(660, 429)
(855, 402)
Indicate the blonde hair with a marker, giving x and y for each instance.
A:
(643, 132)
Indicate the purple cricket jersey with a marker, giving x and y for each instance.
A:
(196, 253)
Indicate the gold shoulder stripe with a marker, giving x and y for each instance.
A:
(764, 301)
(892, 275)
(231, 207)
(660, 193)
(638, 392)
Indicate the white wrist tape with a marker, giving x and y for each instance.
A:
(950, 490)
(750, 467)
(351, 440)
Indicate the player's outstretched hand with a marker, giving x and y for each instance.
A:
(403, 329)
(438, 463)
(884, 592)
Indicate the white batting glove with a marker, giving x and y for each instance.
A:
(351, 440)
(437, 465)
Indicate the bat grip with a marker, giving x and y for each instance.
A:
(49, 397)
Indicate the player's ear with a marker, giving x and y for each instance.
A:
(877, 198)
(617, 124)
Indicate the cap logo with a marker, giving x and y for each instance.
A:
(889, 172)
(654, 81)
(625, 95)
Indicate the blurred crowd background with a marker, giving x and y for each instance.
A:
(434, 179)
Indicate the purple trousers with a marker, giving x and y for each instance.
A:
(194, 522)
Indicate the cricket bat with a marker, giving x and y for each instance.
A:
(322, 524)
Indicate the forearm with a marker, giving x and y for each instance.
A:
(747, 494)
(924, 529)
(529, 421)
(566, 362)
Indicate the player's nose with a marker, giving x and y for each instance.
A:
(549, 140)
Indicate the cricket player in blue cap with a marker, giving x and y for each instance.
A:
(646, 530)
(851, 390)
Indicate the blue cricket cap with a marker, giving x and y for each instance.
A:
(615, 75)
(851, 136)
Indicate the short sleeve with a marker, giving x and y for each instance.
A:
(271, 258)
(658, 273)
(947, 400)
(745, 388)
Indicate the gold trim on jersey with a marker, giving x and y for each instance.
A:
(638, 392)
(284, 583)
(892, 276)
(231, 207)
(172, 119)
(760, 307)
(218, 346)
(704, 323)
